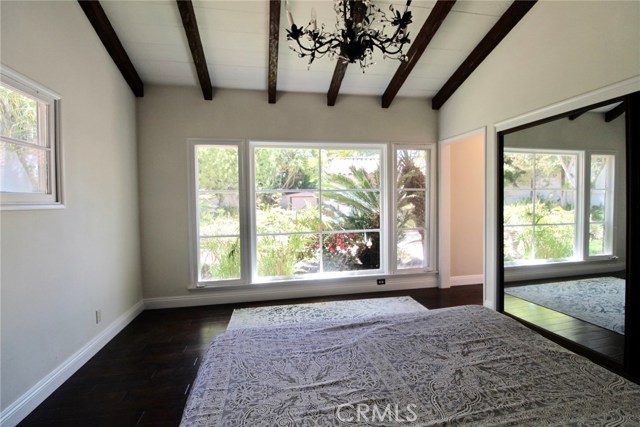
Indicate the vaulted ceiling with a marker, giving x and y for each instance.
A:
(227, 44)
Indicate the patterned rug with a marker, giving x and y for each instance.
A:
(598, 300)
(303, 313)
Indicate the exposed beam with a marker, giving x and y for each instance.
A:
(505, 24)
(336, 81)
(190, 24)
(106, 33)
(615, 112)
(576, 115)
(274, 37)
(419, 45)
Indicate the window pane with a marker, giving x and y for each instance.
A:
(351, 210)
(287, 212)
(286, 168)
(19, 116)
(597, 244)
(518, 244)
(219, 213)
(217, 167)
(351, 251)
(23, 169)
(601, 166)
(411, 209)
(518, 170)
(598, 202)
(411, 249)
(555, 207)
(556, 171)
(350, 169)
(554, 241)
(219, 258)
(518, 207)
(412, 168)
(288, 255)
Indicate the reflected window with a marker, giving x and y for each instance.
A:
(544, 212)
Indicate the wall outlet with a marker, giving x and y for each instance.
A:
(381, 281)
(98, 316)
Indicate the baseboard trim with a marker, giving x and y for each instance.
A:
(252, 294)
(26, 403)
(472, 279)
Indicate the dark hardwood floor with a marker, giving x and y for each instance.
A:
(602, 340)
(143, 376)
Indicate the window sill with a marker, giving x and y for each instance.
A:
(562, 269)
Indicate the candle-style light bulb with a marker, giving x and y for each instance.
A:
(314, 23)
(289, 16)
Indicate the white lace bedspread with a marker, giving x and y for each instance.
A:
(456, 366)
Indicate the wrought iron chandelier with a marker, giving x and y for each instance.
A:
(355, 36)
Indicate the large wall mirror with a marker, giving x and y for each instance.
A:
(564, 228)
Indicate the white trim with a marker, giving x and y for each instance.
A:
(249, 294)
(471, 279)
(599, 95)
(26, 403)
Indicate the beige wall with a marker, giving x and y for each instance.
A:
(59, 266)
(467, 206)
(168, 116)
(559, 50)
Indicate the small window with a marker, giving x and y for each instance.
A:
(29, 145)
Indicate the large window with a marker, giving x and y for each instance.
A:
(558, 205)
(310, 211)
(29, 145)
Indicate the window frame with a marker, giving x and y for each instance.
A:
(583, 201)
(51, 101)
(247, 191)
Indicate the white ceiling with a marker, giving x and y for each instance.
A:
(235, 38)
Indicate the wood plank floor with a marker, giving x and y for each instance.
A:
(143, 376)
(586, 334)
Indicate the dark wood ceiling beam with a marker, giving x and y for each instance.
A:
(190, 24)
(101, 24)
(576, 115)
(274, 37)
(336, 81)
(505, 24)
(615, 112)
(419, 45)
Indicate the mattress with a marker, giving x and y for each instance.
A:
(465, 366)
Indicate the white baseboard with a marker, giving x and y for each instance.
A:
(252, 294)
(472, 279)
(26, 403)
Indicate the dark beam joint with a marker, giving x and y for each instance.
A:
(101, 24)
(615, 112)
(419, 45)
(576, 115)
(274, 36)
(505, 24)
(190, 24)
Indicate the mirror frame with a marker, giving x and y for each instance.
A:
(628, 369)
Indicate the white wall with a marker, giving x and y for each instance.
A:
(168, 116)
(559, 50)
(59, 266)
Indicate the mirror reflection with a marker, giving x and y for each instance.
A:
(564, 226)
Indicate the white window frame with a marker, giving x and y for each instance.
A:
(50, 121)
(388, 192)
(583, 201)
(430, 213)
(609, 209)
